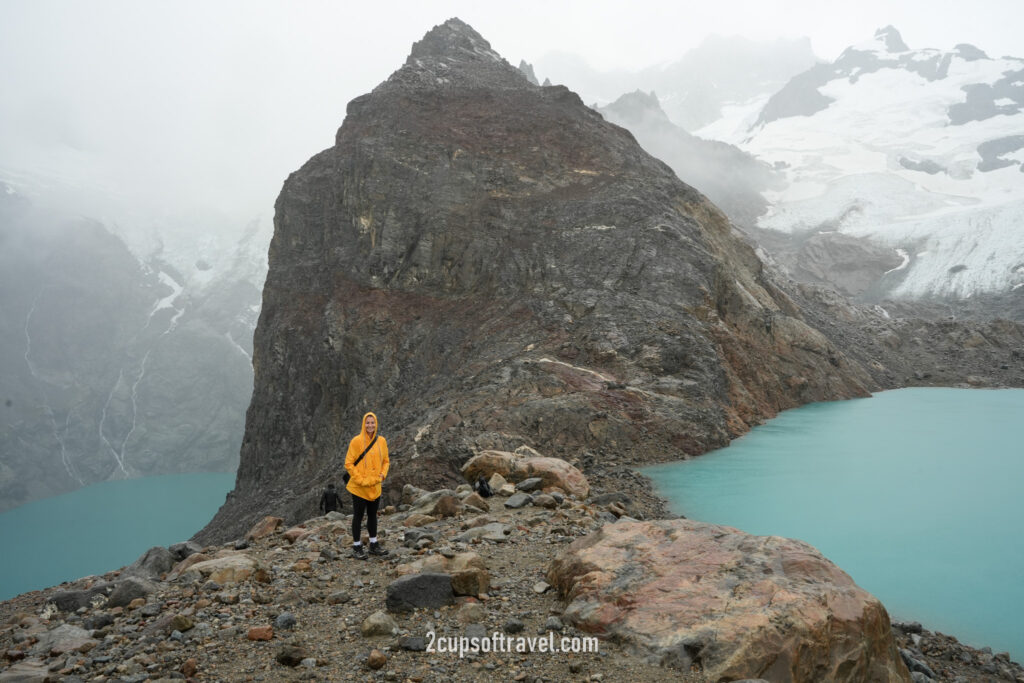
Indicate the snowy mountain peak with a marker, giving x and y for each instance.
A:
(919, 150)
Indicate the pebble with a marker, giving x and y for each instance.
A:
(285, 621)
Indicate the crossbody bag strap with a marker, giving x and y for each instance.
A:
(363, 454)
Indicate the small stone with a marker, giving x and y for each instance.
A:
(541, 587)
(190, 667)
(180, 623)
(413, 643)
(513, 626)
(378, 624)
(554, 624)
(376, 660)
(285, 621)
(471, 612)
(338, 598)
(291, 655)
(519, 500)
(531, 484)
(260, 633)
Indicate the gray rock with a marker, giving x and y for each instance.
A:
(513, 626)
(153, 563)
(554, 624)
(338, 598)
(378, 624)
(531, 484)
(413, 643)
(915, 664)
(495, 531)
(918, 677)
(545, 501)
(27, 672)
(285, 621)
(420, 590)
(426, 502)
(151, 609)
(291, 655)
(71, 601)
(519, 500)
(179, 551)
(65, 636)
(613, 497)
(129, 589)
(478, 631)
(414, 535)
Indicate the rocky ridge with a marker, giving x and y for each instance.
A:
(287, 603)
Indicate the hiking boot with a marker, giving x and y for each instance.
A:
(375, 549)
(359, 552)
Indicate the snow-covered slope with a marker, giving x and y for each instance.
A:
(919, 150)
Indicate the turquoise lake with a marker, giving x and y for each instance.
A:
(916, 493)
(102, 527)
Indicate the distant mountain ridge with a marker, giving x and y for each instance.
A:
(115, 365)
(702, 86)
(731, 178)
(919, 152)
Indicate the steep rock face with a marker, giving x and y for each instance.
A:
(487, 263)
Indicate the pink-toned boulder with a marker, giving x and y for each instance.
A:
(730, 604)
(184, 565)
(264, 527)
(295, 533)
(226, 570)
(553, 472)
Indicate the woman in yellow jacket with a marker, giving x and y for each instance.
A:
(364, 483)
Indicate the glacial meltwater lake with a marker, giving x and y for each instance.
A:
(918, 494)
(102, 527)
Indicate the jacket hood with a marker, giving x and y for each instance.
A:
(364, 433)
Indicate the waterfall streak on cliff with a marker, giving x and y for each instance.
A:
(238, 346)
(103, 419)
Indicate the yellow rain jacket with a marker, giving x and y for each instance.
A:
(365, 479)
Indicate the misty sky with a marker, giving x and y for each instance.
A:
(186, 103)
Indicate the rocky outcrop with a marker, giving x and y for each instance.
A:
(552, 472)
(487, 264)
(715, 599)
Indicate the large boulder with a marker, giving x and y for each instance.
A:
(734, 605)
(229, 569)
(431, 590)
(515, 468)
(153, 563)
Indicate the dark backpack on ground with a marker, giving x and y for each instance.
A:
(483, 488)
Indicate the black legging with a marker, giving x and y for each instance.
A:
(358, 505)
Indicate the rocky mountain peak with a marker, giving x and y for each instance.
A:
(454, 39)
(891, 38)
(453, 54)
(638, 106)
